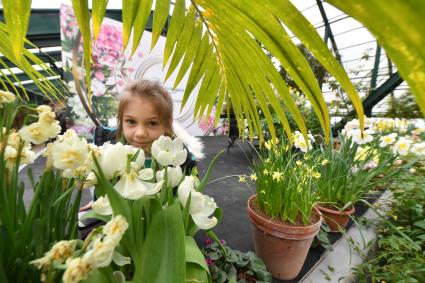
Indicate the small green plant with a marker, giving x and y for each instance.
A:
(228, 265)
(400, 255)
(286, 182)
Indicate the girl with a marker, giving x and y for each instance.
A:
(145, 112)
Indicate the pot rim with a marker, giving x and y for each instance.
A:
(286, 230)
(350, 210)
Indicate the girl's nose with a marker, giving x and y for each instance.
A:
(141, 132)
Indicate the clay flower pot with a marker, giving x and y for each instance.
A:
(335, 219)
(282, 246)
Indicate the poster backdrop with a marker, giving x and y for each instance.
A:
(112, 67)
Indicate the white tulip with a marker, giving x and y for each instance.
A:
(131, 187)
(201, 206)
(113, 160)
(102, 206)
(169, 152)
(174, 175)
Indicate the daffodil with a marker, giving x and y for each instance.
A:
(324, 162)
(299, 163)
(402, 146)
(360, 137)
(277, 176)
(387, 140)
(169, 152)
(102, 206)
(242, 179)
(6, 97)
(253, 177)
(77, 269)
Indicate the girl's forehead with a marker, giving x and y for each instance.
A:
(140, 107)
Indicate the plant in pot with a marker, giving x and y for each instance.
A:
(283, 214)
(347, 174)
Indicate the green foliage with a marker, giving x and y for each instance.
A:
(27, 232)
(403, 107)
(286, 182)
(399, 258)
(227, 265)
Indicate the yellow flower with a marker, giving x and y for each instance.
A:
(267, 160)
(77, 270)
(268, 145)
(277, 176)
(253, 177)
(317, 175)
(266, 172)
(242, 179)
(299, 163)
(325, 161)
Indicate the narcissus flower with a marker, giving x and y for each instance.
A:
(6, 97)
(102, 206)
(402, 146)
(387, 140)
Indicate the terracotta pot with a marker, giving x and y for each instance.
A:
(283, 247)
(336, 219)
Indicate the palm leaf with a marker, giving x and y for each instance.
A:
(98, 13)
(400, 31)
(160, 16)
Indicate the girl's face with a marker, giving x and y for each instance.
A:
(141, 123)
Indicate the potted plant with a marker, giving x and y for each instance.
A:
(347, 174)
(282, 213)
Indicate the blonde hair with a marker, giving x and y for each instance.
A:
(158, 95)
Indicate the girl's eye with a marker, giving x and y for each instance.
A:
(153, 123)
(130, 122)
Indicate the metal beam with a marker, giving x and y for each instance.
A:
(375, 68)
(373, 98)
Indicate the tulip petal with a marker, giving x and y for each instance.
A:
(146, 174)
(102, 206)
(179, 157)
(204, 222)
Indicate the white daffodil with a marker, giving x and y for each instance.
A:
(301, 143)
(402, 146)
(100, 252)
(387, 140)
(131, 187)
(35, 133)
(102, 206)
(69, 151)
(77, 269)
(418, 149)
(169, 152)
(90, 181)
(201, 206)
(174, 175)
(6, 97)
(360, 137)
(115, 228)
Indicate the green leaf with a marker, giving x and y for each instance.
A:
(420, 224)
(163, 258)
(204, 181)
(142, 16)
(129, 11)
(81, 11)
(193, 253)
(403, 19)
(174, 28)
(98, 12)
(160, 16)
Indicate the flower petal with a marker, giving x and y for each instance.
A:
(146, 174)
(102, 206)
(204, 222)
(179, 157)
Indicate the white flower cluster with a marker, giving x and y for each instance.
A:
(127, 163)
(100, 253)
(402, 145)
(47, 127)
(16, 147)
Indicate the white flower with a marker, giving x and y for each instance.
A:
(418, 149)
(69, 151)
(115, 228)
(131, 187)
(91, 180)
(38, 133)
(100, 252)
(174, 175)
(201, 206)
(6, 97)
(402, 146)
(169, 152)
(387, 140)
(362, 138)
(301, 143)
(77, 270)
(102, 206)
(59, 253)
(113, 160)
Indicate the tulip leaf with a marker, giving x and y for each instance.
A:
(196, 268)
(163, 259)
(204, 181)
